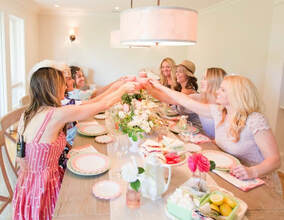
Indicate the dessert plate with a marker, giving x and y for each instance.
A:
(91, 129)
(222, 160)
(192, 147)
(190, 130)
(183, 158)
(104, 139)
(106, 189)
(89, 164)
(100, 116)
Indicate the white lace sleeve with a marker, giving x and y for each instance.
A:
(257, 122)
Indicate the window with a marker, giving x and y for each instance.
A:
(3, 81)
(17, 59)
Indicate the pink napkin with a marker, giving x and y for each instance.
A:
(244, 185)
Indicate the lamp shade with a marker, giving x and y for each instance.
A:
(171, 26)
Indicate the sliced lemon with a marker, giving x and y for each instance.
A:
(217, 198)
(225, 209)
(230, 202)
(215, 207)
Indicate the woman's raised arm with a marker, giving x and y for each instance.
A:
(71, 113)
(170, 96)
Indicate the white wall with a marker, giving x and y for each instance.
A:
(93, 49)
(28, 11)
(274, 86)
(234, 35)
(246, 37)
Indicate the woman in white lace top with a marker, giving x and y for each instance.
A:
(240, 128)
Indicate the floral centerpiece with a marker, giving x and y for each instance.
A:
(136, 115)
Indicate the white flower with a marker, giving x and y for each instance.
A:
(129, 172)
(121, 114)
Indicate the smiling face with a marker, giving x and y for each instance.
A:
(222, 94)
(166, 69)
(181, 76)
(80, 79)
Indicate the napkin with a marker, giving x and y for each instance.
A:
(244, 185)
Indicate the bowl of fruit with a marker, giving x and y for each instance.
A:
(219, 205)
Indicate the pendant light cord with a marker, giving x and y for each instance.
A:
(131, 3)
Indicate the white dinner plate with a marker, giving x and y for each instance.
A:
(91, 129)
(88, 164)
(106, 189)
(222, 160)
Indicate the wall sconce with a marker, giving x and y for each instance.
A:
(72, 35)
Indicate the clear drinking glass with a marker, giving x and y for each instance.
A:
(133, 198)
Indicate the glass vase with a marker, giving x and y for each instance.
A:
(133, 198)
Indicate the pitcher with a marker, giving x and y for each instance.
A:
(153, 183)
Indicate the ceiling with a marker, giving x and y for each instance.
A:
(106, 6)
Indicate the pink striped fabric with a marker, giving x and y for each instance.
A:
(39, 183)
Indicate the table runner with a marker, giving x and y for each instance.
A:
(149, 209)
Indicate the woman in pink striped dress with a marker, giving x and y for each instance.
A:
(42, 126)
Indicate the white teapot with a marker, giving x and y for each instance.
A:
(153, 183)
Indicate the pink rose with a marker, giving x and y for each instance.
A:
(203, 164)
(198, 161)
(192, 162)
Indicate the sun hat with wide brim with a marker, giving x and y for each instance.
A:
(190, 66)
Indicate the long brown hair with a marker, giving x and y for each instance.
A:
(44, 89)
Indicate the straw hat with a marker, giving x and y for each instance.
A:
(190, 66)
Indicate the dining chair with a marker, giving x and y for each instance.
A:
(5, 199)
(25, 100)
(281, 177)
(7, 123)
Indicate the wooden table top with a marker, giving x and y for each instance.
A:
(76, 200)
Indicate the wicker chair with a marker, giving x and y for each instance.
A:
(8, 122)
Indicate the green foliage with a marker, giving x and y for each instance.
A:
(135, 185)
(140, 170)
(132, 132)
(127, 98)
(212, 165)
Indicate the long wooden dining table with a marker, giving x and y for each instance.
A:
(76, 201)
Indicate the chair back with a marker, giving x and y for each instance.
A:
(10, 138)
(4, 199)
(10, 119)
(25, 100)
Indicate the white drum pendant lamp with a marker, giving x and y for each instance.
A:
(158, 25)
(115, 40)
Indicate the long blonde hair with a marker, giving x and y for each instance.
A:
(214, 77)
(164, 80)
(243, 98)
